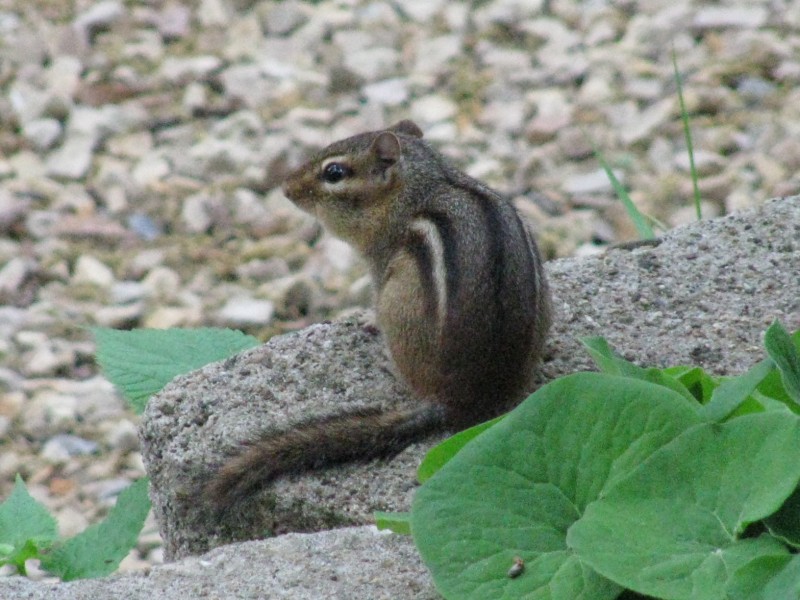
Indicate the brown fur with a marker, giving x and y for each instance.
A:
(355, 436)
(461, 299)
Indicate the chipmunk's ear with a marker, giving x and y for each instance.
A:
(386, 147)
(406, 127)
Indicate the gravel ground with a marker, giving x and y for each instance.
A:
(141, 145)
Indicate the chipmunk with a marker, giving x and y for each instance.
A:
(461, 299)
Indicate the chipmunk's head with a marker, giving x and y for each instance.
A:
(352, 184)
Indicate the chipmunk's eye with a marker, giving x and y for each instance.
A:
(334, 172)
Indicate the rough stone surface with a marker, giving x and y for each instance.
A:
(703, 295)
(198, 419)
(343, 564)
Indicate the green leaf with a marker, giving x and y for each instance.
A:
(774, 577)
(30, 549)
(398, 522)
(733, 391)
(771, 393)
(659, 377)
(699, 383)
(515, 490)
(612, 363)
(672, 528)
(441, 454)
(772, 387)
(25, 526)
(782, 350)
(607, 360)
(98, 550)
(142, 361)
(785, 524)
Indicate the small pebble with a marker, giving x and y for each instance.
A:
(89, 269)
(42, 133)
(60, 448)
(246, 311)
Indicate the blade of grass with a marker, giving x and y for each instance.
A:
(399, 522)
(639, 220)
(687, 132)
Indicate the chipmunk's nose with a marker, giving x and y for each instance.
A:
(298, 190)
(296, 182)
(292, 187)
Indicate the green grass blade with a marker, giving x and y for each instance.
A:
(398, 522)
(639, 221)
(687, 132)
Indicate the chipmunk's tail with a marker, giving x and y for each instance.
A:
(355, 436)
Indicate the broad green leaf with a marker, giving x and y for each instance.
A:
(758, 402)
(699, 383)
(142, 361)
(25, 526)
(772, 387)
(612, 363)
(775, 577)
(607, 360)
(771, 390)
(440, 454)
(659, 377)
(515, 490)
(98, 550)
(785, 524)
(733, 391)
(782, 350)
(398, 522)
(771, 395)
(671, 529)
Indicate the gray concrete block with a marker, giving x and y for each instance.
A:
(703, 296)
(344, 564)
